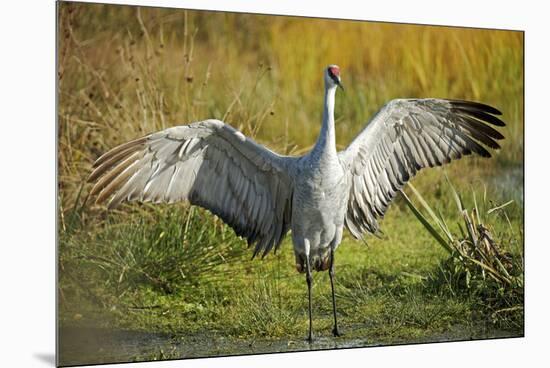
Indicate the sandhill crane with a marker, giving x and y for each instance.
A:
(262, 195)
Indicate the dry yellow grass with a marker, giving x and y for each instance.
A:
(127, 71)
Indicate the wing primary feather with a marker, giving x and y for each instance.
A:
(116, 182)
(478, 125)
(474, 106)
(479, 135)
(483, 116)
(111, 175)
(108, 162)
(120, 148)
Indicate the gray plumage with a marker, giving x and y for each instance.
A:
(262, 195)
(405, 136)
(211, 165)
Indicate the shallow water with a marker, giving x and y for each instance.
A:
(90, 345)
(509, 184)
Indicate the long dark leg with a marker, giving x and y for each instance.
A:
(335, 331)
(309, 279)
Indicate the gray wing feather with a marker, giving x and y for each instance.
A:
(405, 136)
(210, 164)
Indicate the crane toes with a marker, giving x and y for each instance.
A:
(336, 333)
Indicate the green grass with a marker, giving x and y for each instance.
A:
(485, 262)
(179, 270)
(169, 268)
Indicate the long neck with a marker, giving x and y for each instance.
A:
(326, 142)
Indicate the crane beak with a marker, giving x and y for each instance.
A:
(339, 84)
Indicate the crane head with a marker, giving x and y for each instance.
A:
(332, 76)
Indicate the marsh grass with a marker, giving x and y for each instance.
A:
(479, 264)
(125, 72)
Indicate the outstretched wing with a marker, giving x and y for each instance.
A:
(211, 165)
(405, 136)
